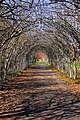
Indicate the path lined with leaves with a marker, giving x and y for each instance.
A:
(39, 94)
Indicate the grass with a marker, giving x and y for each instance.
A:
(42, 62)
(77, 64)
(65, 76)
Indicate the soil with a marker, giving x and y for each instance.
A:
(39, 94)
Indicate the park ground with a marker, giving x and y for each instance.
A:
(40, 93)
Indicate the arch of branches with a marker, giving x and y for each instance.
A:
(29, 26)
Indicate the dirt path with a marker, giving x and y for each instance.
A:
(39, 94)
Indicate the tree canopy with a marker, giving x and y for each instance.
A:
(28, 26)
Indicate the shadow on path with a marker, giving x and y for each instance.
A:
(39, 94)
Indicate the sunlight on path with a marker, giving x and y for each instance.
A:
(39, 94)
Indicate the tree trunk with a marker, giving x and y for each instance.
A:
(74, 60)
(75, 70)
(58, 63)
(69, 67)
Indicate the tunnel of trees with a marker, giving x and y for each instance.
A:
(30, 26)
